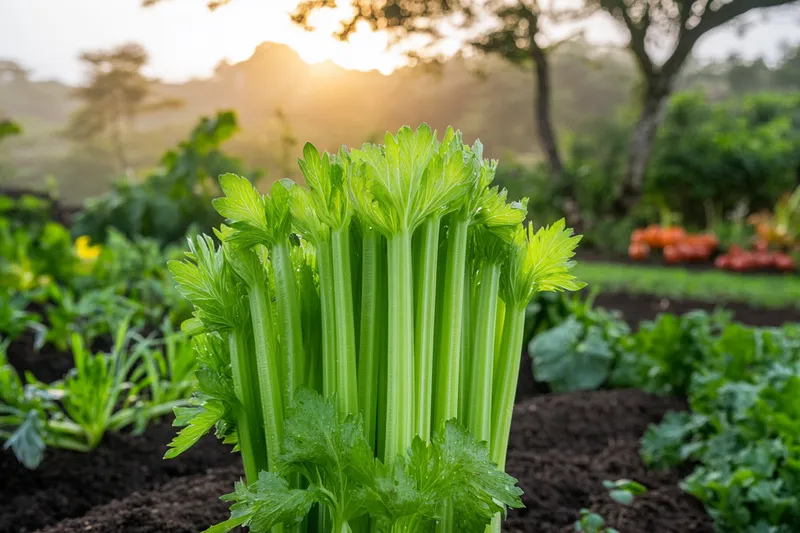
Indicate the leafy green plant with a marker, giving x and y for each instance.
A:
(102, 392)
(590, 522)
(585, 351)
(170, 201)
(16, 319)
(94, 314)
(333, 456)
(742, 430)
(416, 273)
(624, 490)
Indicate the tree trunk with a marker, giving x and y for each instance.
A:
(640, 144)
(542, 106)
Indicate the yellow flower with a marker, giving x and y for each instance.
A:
(84, 250)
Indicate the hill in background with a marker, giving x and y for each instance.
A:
(324, 104)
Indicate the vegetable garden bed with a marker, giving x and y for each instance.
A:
(562, 448)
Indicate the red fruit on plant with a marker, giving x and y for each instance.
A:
(672, 255)
(686, 250)
(638, 251)
(652, 236)
(710, 240)
(738, 263)
(784, 262)
(672, 235)
(762, 259)
(735, 250)
(723, 262)
(703, 251)
(638, 236)
(760, 245)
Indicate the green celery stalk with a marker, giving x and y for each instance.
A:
(504, 383)
(448, 360)
(425, 326)
(400, 356)
(328, 305)
(479, 410)
(266, 355)
(345, 369)
(249, 425)
(291, 331)
(470, 304)
(369, 344)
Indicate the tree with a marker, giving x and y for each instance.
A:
(513, 30)
(116, 93)
(674, 25)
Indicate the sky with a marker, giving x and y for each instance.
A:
(185, 40)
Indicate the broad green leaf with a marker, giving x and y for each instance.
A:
(26, 442)
(569, 357)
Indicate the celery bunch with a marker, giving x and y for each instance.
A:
(391, 292)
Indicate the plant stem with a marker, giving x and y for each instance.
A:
(504, 388)
(479, 409)
(425, 326)
(346, 378)
(400, 356)
(249, 425)
(326, 292)
(449, 356)
(269, 377)
(291, 331)
(504, 385)
(312, 344)
(368, 352)
(470, 304)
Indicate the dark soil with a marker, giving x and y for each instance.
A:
(636, 308)
(68, 484)
(562, 448)
(185, 505)
(48, 364)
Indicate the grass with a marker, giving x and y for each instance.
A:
(772, 291)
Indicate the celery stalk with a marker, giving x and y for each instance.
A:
(291, 332)
(268, 372)
(368, 352)
(400, 357)
(346, 379)
(504, 385)
(326, 292)
(448, 361)
(425, 326)
(479, 410)
(249, 424)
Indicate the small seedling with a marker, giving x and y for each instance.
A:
(590, 522)
(623, 490)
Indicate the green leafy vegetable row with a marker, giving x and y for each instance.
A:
(133, 384)
(742, 431)
(395, 286)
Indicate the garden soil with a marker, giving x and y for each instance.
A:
(634, 308)
(561, 449)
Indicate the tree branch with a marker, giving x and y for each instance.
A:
(637, 45)
(711, 19)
